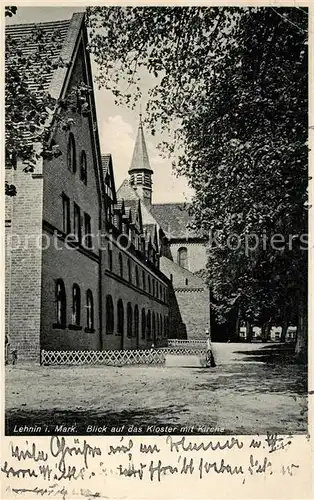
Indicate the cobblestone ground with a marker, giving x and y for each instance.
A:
(254, 388)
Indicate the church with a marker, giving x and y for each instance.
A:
(90, 266)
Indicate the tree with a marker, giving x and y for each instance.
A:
(234, 83)
(30, 111)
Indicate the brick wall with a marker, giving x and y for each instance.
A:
(23, 260)
(196, 254)
(194, 308)
(71, 265)
(118, 288)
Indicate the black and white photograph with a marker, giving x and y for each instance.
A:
(156, 220)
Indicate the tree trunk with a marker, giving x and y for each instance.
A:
(264, 334)
(284, 331)
(249, 331)
(301, 345)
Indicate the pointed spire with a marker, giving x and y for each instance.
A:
(140, 160)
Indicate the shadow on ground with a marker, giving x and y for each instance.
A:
(48, 421)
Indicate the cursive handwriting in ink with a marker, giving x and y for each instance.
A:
(33, 454)
(120, 448)
(275, 442)
(219, 469)
(255, 465)
(42, 491)
(160, 469)
(187, 467)
(131, 470)
(18, 472)
(59, 449)
(182, 445)
(148, 448)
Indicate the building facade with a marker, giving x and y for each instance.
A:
(89, 267)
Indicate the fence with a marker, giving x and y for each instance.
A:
(185, 343)
(111, 358)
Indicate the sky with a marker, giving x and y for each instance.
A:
(117, 124)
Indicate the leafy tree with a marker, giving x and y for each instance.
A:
(233, 81)
(30, 111)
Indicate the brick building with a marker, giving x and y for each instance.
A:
(87, 267)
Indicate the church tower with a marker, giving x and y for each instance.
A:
(140, 171)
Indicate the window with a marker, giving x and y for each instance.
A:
(136, 276)
(143, 280)
(160, 291)
(76, 305)
(89, 311)
(154, 326)
(83, 167)
(120, 265)
(61, 304)
(161, 326)
(183, 257)
(153, 287)
(109, 315)
(149, 285)
(143, 323)
(148, 326)
(109, 257)
(157, 325)
(129, 271)
(129, 320)
(71, 154)
(77, 223)
(120, 312)
(186, 281)
(136, 322)
(66, 214)
(171, 278)
(87, 231)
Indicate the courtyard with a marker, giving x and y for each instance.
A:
(255, 388)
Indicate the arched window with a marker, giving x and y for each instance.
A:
(109, 315)
(183, 257)
(149, 285)
(76, 305)
(61, 304)
(136, 276)
(143, 280)
(120, 322)
(83, 167)
(120, 265)
(136, 321)
(154, 326)
(149, 326)
(109, 257)
(129, 319)
(143, 323)
(71, 154)
(129, 271)
(89, 311)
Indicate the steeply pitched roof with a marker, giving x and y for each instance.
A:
(60, 39)
(140, 160)
(126, 192)
(174, 219)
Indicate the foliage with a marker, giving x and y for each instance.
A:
(234, 82)
(30, 110)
